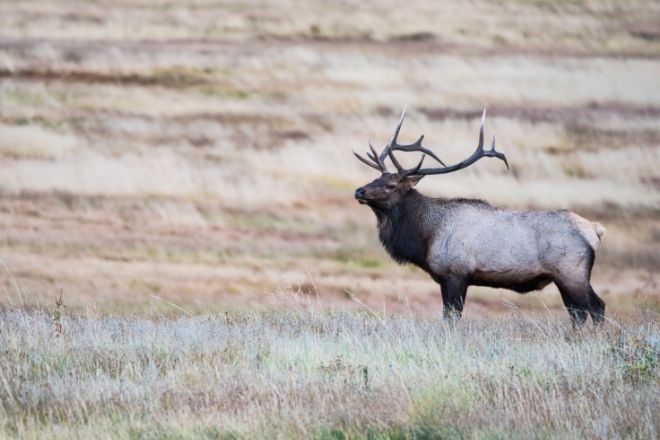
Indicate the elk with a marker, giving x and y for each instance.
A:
(466, 242)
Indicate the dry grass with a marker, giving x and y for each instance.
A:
(311, 374)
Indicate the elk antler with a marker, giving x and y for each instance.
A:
(478, 154)
(378, 161)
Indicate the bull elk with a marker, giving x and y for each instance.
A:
(464, 242)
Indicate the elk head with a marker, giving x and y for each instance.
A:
(388, 189)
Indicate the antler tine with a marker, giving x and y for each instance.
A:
(394, 145)
(396, 163)
(419, 165)
(376, 158)
(395, 135)
(366, 162)
(478, 153)
(497, 154)
(387, 151)
(480, 147)
(374, 155)
(417, 146)
(416, 168)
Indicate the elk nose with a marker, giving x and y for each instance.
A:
(359, 193)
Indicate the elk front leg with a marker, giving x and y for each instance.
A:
(454, 291)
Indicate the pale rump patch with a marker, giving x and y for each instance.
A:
(593, 232)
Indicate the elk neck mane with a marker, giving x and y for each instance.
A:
(403, 229)
(406, 230)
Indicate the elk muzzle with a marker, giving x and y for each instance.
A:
(360, 195)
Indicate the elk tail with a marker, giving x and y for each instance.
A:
(600, 233)
(592, 232)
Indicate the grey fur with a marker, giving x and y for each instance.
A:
(463, 242)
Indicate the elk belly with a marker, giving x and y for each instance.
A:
(519, 282)
(513, 264)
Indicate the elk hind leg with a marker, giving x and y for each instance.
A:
(596, 307)
(576, 303)
(576, 291)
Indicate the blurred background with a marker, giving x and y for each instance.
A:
(156, 153)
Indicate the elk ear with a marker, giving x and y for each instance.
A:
(411, 181)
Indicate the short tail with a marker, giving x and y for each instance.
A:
(600, 233)
(593, 232)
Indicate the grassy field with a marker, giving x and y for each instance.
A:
(312, 374)
(183, 176)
